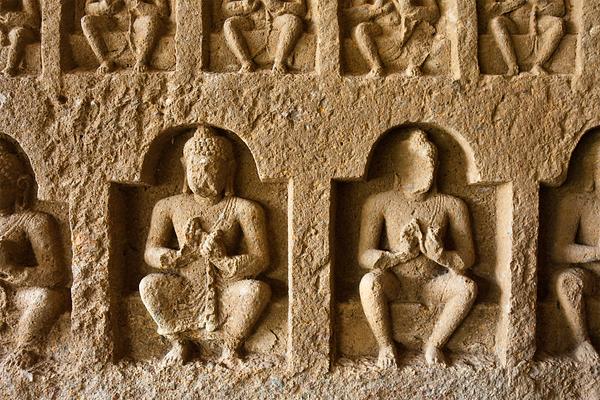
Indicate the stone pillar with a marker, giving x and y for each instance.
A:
(310, 305)
(52, 39)
(91, 322)
(328, 37)
(517, 238)
(464, 58)
(588, 51)
(192, 36)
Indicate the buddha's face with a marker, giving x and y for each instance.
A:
(415, 171)
(207, 176)
(9, 190)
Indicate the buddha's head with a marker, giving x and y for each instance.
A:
(15, 181)
(415, 163)
(209, 164)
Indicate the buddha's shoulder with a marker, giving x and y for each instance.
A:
(448, 200)
(175, 201)
(381, 199)
(35, 219)
(245, 205)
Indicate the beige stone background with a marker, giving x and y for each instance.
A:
(103, 149)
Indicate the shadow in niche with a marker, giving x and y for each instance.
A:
(132, 208)
(554, 335)
(412, 320)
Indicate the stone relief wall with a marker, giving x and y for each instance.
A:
(299, 199)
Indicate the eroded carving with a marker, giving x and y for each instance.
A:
(31, 272)
(209, 291)
(19, 25)
(412, 25)
(576, 243)
(284, 16)
(418, 225)
(145, 20)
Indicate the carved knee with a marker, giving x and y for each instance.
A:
(469, 289)
(291, 21)
(497, 24)
(257, 291)
(360, 30)
(371, 283)
(558, 26)
(87, 23)
(231, 24)
(149, 286)
(569, 284)
(16, 35)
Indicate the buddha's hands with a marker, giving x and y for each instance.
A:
(212, 246)
(431, 244)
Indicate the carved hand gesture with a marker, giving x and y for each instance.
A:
(212, 246)
(431, 244)
(410, 240)
(194, 234)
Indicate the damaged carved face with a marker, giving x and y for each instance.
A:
(207, 176)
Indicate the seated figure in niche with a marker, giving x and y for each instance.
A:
(419, 224)
(19, 25)
(546, 29)
(577, 242)
(286, 16)
(145, 19)
(209, 286)
(413, 22)
(32, 275)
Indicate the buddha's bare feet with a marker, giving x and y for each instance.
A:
(538, 70)
(387, 357)
(413, 71)
(178, 355)
(279, 68)
(512, 70)
(140, 67)
(230, 357)
(435, 356)
(375, 73)
(586, 354)
(105, 67)
(247, 67)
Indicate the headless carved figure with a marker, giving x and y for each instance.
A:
(241, 16)
(31, 274)
(19, 25)
(222, 246)
(145, 19)
(545, 22)
(413, 21)
(418, 224)
(578, 242)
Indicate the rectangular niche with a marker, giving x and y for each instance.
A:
(412, 320)
(131, 208)
(562, 61)
(423, 43)
(79, 54)
(261, 36)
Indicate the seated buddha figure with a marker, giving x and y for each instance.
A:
(207, 287)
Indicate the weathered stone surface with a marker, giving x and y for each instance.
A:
(336, 104)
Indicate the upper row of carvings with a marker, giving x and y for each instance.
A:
(378, 37)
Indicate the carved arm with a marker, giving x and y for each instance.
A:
(157, 254)
(564, 248)
(504, 7)
(429, 12)
(231, 8)
(463, 256)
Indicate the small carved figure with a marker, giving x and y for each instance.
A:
(414, 23)
(577, 242)
(31, 271)
(145, 21)
(19, 26)
(210, 286)
(418, 224)
(284, 15)
(546, 29)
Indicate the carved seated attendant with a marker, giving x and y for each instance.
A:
(31, 272)
(413, 22)
(418, 224)
(144, 17)
(244, 15)
(208, 287)
(544, 19)
(577, 242)
(19, 25)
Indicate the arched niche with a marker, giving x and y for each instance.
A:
(130, 211)
(554, 335)
(454, 177)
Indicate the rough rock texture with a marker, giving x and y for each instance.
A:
(311, 146)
